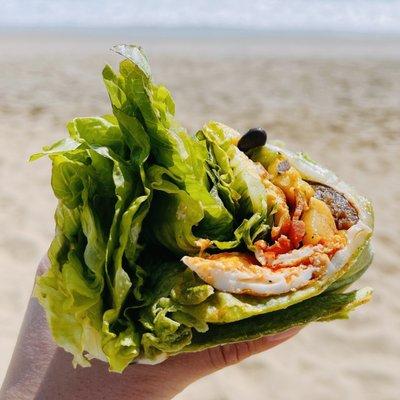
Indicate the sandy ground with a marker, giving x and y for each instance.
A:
(338, 99)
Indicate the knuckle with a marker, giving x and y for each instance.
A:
(244, 350)
(216, 357)
(223, 356)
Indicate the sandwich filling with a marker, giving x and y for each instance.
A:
(311, 223)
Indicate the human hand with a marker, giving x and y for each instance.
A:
(41, 370)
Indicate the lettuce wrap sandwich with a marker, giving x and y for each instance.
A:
(168, 243)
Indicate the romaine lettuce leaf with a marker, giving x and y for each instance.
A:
(133, 95)
(71, 291)
(109, 194)
(234, 170)
(324, 307)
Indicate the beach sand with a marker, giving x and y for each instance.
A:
(338, 99)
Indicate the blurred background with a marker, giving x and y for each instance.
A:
(323, 76)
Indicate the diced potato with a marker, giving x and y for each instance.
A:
(319, 223)
(289, 180)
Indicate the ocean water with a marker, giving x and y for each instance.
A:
(364, 16)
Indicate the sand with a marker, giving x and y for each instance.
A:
(336, 98)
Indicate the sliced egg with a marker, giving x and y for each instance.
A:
(238, 273)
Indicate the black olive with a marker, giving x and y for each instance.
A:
(254, 137)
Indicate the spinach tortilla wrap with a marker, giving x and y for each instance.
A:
(167, 243)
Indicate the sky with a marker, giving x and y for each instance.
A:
(377, 16)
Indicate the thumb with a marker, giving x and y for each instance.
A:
(230, 354)
(192, 366)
